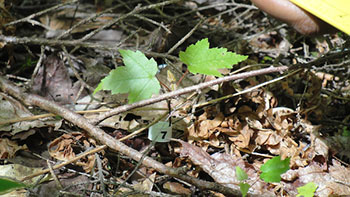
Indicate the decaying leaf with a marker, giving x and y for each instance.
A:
(9, 148)
(177, 188)
(11, 109)
(53, 82)
(62, 148)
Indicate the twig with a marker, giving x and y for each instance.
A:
(35, 117)
(71, 43)
(217, 5)
(134, 11)
(76, 74)
(58, 183)
(31, 99)
(91, 18)
(185, 37)
(247, 90)
(186, 90)
(28, 18)
(38, 64)
(153, 22)
(97, 149)
(100, 174)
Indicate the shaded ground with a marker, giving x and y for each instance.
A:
(64, 52)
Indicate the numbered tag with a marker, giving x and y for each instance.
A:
(160, 132)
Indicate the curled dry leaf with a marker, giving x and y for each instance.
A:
(9, 148)
(62, 149)
(205, 126)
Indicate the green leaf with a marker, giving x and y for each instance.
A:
(7, 185)
(137, 77)
(273, 168)
(200, 59)
(244, 187)
(240, 174)
(307, 190)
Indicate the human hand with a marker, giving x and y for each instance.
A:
(301, 20)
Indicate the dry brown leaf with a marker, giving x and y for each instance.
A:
(12, 109)
(87, 164)
(147, 184)
(62, 149)
(243, 139)
(335, 182)
(177, 188)
(53, 82)
(9, 148)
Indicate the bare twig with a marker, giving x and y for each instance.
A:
(91, 18)
(38, 64)
(186, 90)
(95, 150)
(185, 37)
(153, 22)
(100, 174)
(76, 74)
(247, 90)
(58, 183)
(50, 42)
(28, 18)
(31, 99)
(134, 11)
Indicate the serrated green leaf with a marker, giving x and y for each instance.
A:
(273, 168)
(7, 185)
(307, 190)
(137, 77)
(244, 187)
(240, 174)
(200, 59)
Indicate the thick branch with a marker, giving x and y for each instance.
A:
(78, 120)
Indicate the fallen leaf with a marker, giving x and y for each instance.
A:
(177, 188)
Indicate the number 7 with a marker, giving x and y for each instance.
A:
(164, 134)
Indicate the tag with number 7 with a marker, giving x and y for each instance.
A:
(160, 132)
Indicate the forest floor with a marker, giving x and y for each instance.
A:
(289, 98)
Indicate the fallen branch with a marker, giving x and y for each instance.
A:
(78, 120)
(186, 90)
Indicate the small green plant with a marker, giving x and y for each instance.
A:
(199, 58)
(266, 59)
(273, 168)
(137, 77)
(29, 62)
(242, 176)
(307, 190)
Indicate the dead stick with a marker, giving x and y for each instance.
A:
(78, 120)
(186, 90)
(95, 150)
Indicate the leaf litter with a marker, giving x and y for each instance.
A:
(287, 118)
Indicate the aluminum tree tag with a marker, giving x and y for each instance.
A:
(160, 132)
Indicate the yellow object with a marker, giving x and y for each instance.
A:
(334, 12)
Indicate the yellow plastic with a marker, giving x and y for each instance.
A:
(334, 12)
